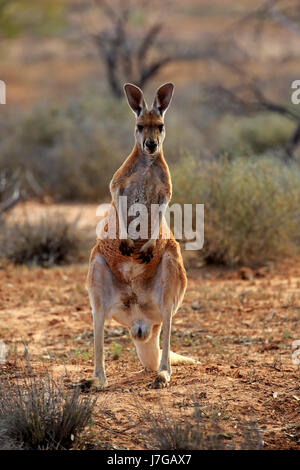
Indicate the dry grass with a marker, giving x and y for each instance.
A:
(37, 413)
(198, 431)
(51, 240)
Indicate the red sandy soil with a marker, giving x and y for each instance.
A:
(240, 325)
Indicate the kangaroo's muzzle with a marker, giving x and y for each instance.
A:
(140, 330)
(151, 145)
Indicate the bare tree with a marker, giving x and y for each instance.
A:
(15, 188)
(286, 14)
(132, 56)
(250, 95)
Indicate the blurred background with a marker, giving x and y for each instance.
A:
(232, 144)
(233, 134)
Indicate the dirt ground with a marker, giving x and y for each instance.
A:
(239, 323)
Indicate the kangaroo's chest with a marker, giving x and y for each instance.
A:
(144, 188)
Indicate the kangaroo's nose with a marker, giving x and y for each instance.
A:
(151, 145)
(139, 332)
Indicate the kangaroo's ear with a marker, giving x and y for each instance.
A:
(163, 98)
(135, 98)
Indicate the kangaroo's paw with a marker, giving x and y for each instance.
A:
(146, 255)
(146, 252)
(99, 383)
(93, 384)
(126, 247)
(162, 380)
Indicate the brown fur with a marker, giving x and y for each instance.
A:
(127, 176)
(140, 283)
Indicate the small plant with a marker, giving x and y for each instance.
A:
(49, 241)
(116, 350)
(197, 432)
(169, 433)
(37, 413)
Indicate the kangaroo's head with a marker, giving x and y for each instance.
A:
(150, 127)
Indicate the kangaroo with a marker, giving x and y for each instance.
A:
(140, 282)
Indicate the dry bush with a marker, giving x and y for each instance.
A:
(51, 240)
(196, 432)
(72, 149)
(255, 134)
(37, 413)
(169, 433)
(252, 210)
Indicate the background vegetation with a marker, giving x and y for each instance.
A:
(232, 143)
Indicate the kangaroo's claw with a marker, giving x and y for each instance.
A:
(162, 380)
(145, 257)
(125, 248)
(93, 384)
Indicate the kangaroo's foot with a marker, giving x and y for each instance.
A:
(162, 380)
(98, 383)
(93, 384)
(163, 377)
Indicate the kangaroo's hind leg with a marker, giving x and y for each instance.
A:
(170, 287)
(167, 289)
(101, 289)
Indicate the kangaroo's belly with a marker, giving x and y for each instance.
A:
(131, 269)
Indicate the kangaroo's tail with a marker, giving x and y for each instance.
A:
(177, 359)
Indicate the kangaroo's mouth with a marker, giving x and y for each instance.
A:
(150, 150)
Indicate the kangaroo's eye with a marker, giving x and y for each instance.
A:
(160, 127)
(140, 127)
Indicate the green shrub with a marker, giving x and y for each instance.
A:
(252, 210)
(115, 350)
